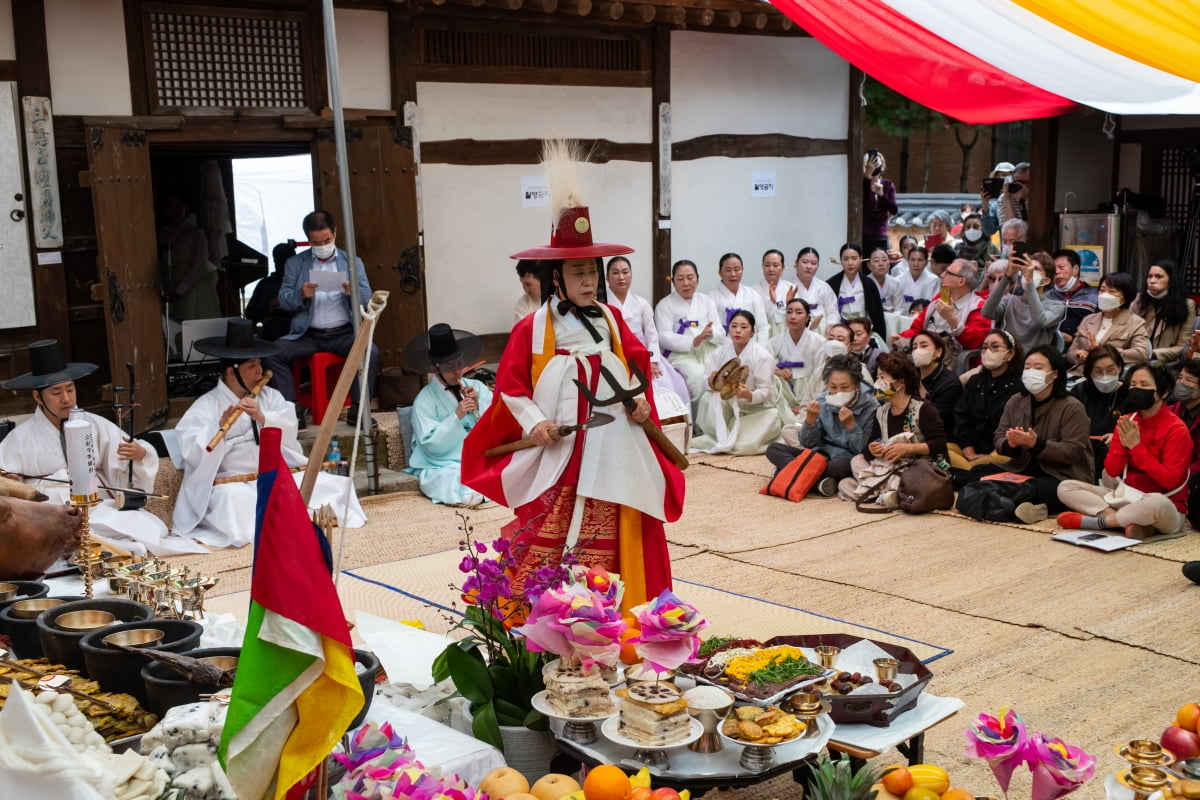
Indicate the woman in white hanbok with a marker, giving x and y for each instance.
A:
(799, 355)
(639, 316)
(774, 292)
(747, 422)
(731, 296)
(821, 299)
(688, 328)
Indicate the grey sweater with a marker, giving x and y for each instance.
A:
(1029, 317)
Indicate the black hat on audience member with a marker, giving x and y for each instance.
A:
(443, 349)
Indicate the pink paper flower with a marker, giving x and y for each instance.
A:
(608, 586)
(1002, 741)
(576, 624)
(1058, 768)
(670, 631)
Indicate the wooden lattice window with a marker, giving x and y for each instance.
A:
(208, 57)
(1178, 180)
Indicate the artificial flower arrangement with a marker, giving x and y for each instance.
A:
(381, 766)
(668, 632)
(1058, 768)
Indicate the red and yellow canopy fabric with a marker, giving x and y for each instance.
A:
(987, 61)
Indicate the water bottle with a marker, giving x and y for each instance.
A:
(334, 457)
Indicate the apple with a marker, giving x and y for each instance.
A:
(505, 782)
(1182, 743)
(640, 793)
(664, 793)
(554, 786)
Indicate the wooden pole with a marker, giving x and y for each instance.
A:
(671, 15)
(580, 8)
(644, 13)
(758, 21)
(545, 6)
(701, 16)
(730, 19)
(507, 5)
(611, 10)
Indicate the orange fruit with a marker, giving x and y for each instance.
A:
(957, 794)
(897, 780)
(606, 782)
(1188, 716)
(628, 654)
(921, 793)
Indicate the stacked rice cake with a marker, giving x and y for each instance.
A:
(572, 692)
(653, 714)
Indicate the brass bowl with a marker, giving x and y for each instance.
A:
(8, 591)
(82, 621)
(1146, 748)
(225, 663)
(806, 703)
(1149, 779)
(30, 609)
(138, 637)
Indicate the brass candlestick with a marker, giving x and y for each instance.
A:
(84, 503)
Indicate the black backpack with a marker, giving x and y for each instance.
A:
(994, 501)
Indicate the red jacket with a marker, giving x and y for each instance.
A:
(1160, 461)
(1177, 410)
(975, 328)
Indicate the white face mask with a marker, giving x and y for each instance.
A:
(1037, 280)
(1005, 251)
(1157, 295)
(1106, 384)
(992, 359)
(922, 357)
(1034, 380)
(839, 399)
(1070, 284)
(1108, 302)
(835, 348)
(972, 234)
(324, 251)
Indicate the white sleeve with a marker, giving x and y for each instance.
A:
(664, 324)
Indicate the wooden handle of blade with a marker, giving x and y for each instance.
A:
(665, 444)
(524, 444)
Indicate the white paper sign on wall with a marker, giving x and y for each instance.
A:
(534, 192)
(762, 183)
(17, 308)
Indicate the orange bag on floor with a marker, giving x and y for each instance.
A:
(798, 477)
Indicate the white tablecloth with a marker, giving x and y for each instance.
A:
(929, 710)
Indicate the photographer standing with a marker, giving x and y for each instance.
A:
(1013, 202)
(879, 202)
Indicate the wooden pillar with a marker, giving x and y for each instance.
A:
(660, 164)
(1043, 160)
(854, 147)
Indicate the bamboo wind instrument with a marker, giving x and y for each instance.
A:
(237, 412)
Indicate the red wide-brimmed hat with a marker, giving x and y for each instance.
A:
(572, 238)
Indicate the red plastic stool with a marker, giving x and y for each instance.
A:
(319, 366)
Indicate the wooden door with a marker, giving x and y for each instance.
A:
(127, 265)
(384, 196)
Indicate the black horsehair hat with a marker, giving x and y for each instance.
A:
(48, 368)
(238, 344)
(443, 349)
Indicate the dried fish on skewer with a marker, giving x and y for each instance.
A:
(194, 669)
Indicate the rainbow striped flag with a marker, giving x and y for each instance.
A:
(295, 691)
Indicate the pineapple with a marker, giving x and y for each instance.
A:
(836, 780)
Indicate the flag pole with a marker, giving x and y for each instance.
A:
(343, 173)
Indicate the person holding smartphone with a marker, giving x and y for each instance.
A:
(1013, 202)
(956, 313)
(991, 188)
(879, 202)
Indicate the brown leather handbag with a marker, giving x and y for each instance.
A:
(925, 487)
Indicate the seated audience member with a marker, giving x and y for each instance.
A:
(992, 276)
(263, 307)
(973, 245)
(1028, 314)
(1079, 297)
(639, 316)
(836, 422)
(1168, 311)
(900, 265)
(1151, 451)
(689, 328)
(939, 384)
(731, 296)
(940, 259)
(822, 301)
(219, 488)
(774, 291)
(531, 289)
(739, 416)
(37, 449)
(887, 286)
(1187, 408)
(1113, 324)
(856, 296)
(839, 339)
(1103, 397)
(799, 355)
(904, 426)
(1043, 431)
(862, 344)
(444, 411)
(939, 230)
(957, 313)
(323, 320)
(916, 282)
(978, 410)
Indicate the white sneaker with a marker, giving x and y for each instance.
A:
(892, 500)
(1030, 513)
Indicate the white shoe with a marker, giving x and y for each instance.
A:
(892, 500)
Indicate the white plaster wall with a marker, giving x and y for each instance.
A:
(362, 40)
(502, 111)
(474, 221)
(89, 70)
(8, 47)
(714, 212)
(1085, 162)
(725, 83)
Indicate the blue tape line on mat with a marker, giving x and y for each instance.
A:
(945, 651)
(398, 590)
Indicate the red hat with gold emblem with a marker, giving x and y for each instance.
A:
(571, 235)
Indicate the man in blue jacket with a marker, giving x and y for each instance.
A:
(323, 319)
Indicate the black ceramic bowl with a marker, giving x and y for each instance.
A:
(366, 679)
(62, 647)
(166, 688)
(23, 633)
(26, 590)
(119, 670)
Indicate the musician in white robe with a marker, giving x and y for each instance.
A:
(36, 450)
(219, 493)
(639, 316)
(821, 299)
(688, 327)
(774, 292)
(744, 421)
(730, 296)
(445, 411)
(799, 356)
